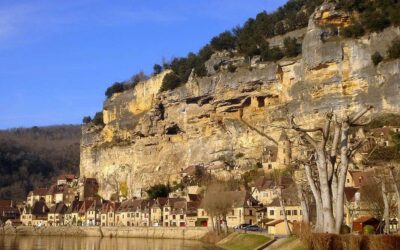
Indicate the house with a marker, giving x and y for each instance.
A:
(134, 213)
(67, 179)
(108, 213)
(357, 178)
(203, 219)
(83, 212)
(156, 214)
(171, 211)
(264, 189)
(278, 227)
(383, 136)
(36, 195)
(35, 215)
(191, 213)
(244, 208)
(8, 211)
(360, 223)
(56, 214)
(72, 214)
(93, 214)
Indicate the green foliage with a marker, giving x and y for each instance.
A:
(394, 49)
(115, 88)
(368, 229)
(159, 190)
(98, 119)
(353, 31)
(224, 41)
(157, 69)
(170, 81)
(31, 158)
(292, 47)
(376, 58)
(86, 119)
(274, 54)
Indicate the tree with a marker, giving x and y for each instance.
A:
(115, 88)
(170, 81)
(86, 119)
(292, 47)
(98, 119)
(157, 69)
(159, 190)
(331, 163)
(224, 41)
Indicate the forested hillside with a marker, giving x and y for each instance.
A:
(34, 157)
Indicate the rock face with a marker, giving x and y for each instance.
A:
(150, 136)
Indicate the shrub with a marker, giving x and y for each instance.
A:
(115, 88)
(170, 81)
(368, 229)
(376, 58)
(159, 190)
(292, 47)
(353, 31)
(98, 119)
(157, 69)
(86, 119)
(274, 54)
(375, 20)
(394, 49)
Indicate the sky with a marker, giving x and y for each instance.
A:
(58, 57)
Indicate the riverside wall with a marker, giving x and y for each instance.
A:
(127, 232)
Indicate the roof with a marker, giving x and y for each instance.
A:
(364, 219)
(132, 205)
(264, 183)
(350, 193)
(85, 206)
(40, 191)
(241, 198)
(67, 177)
(74, 207)
(360, 178)
(289, 196)
(39, 208)
(6, 203)
(110, 207)
(59, 208)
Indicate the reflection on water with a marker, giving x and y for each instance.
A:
(93, 243)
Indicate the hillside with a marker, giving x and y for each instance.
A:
(33, 157)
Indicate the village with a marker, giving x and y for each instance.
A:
(267, 204)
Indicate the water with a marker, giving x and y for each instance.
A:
(94, 243)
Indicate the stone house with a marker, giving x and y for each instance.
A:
(156, 213)
(35, 215)
(72, 214)
(292, 208)
(56, 214)
(8, 211)
(279, 157)
(243, 210)
(93, 214)
(108, 213)
(264, 189)
(134, 213)
(358, 178)
(83, 212)
(36, 195)
(172, 213)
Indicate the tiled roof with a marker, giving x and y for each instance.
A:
(6, 203)
(74, 207)
(360, 178)
(67, 177)
(40, 191)
(363, 219)
(350, 193)
(59, 208)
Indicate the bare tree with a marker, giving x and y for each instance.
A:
(331, 162)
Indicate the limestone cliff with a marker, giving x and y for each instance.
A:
(150, 136)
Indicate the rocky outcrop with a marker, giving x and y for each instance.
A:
(150, 136)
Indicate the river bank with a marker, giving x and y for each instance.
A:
(123, 232)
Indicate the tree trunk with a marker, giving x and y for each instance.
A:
(326, 195)
(386, 210)
(303, 204)
(396, 189)
(212, 222)
(289, 232)
(317, 197)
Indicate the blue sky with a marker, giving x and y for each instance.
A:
(57, 57)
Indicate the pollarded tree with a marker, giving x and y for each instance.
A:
(333, 151)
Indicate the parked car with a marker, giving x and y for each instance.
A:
(241, 226)
(253, 228)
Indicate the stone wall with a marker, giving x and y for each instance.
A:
(127, 232)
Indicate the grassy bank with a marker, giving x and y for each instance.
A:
(291, 243)
(243, 241)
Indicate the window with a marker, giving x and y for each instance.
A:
(301, 212)
(288, 212)
(270, 166)
(174, 217)
(348, 180)
(294, 212)
(281, 212)
(271, 212)
(181, 217)
(250, 212)
(166, 217)
(233, 212)
(129, 215)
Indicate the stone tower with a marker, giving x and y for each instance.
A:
(284, 149)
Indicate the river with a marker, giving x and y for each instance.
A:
(94, 243)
